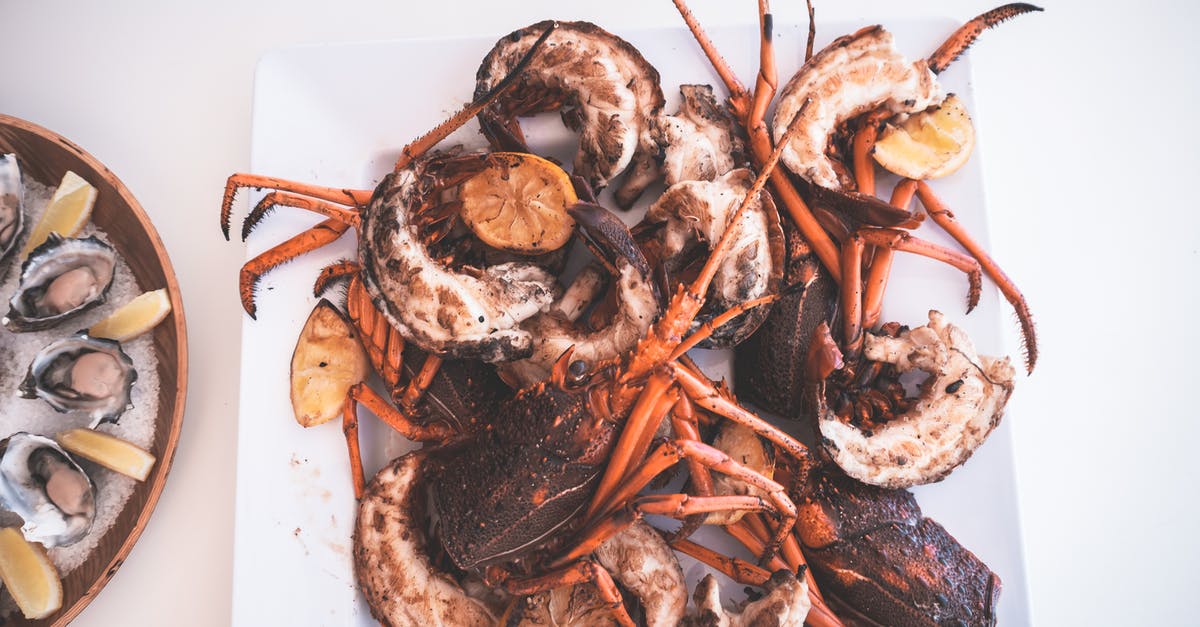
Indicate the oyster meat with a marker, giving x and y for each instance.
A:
(61, 278)
(12, 212)
(82, 373)
(43, 485)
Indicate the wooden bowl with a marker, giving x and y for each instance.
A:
(46, 156)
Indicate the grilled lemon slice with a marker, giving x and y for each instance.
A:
(29, 576)
(328, 360)
(929, 144)
(134, 318)
(68, 211)
(109, 451)
(519, 203)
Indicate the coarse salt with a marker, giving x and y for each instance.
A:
(136, 425)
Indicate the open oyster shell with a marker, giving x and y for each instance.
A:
(43, 485)
(82, 373)
(12, 211)
(61, 278)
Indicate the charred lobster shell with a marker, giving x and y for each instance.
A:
(877, 557)
(529, 475)
(770, 365)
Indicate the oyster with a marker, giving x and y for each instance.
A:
(12, 212)
(43, 485)
(61, 278)
(82, 373)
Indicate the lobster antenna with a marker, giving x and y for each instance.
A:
(430, 139)
(812, 31)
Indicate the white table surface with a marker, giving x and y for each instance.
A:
(1087, 113)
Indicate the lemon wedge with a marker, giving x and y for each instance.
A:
(109, 451)
(328, 360)
(28, 575)
(67, 212)
(135, 317)
(930, 144)
(519, 203)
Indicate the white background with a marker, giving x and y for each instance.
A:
(1087, 112)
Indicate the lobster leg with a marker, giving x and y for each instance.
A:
(685, 505)
(738, 570)
(315, 205)
(753, 537)
(881, 261)
(392, 359)
(794, 557)
(876, 285)
(902, 241)
(765, 84)
(672, 451)
(852, 313)
(683, 421)
(757, 545)
(350, 430)
(706, 395)
(397, 419)
(592, 537)
(307, 241)
(334, 272)
(902, 195)
(418, 384)
(864, 143)
(641, 446)
(583, 571)
(791, 553)
(677, 506)
(945, 219)
(715, 323)
(343, 196)
(721, 387)
(641, 419)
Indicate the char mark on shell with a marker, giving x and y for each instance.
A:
(529, 476)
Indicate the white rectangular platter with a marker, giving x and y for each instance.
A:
(338, 115)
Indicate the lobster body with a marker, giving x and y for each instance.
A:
(525, 478)
(873, 551)
(771, 365)
(463, 394)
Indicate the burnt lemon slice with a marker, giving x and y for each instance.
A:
(519, 203)
(930, 144)
(328, 360)
(28, 575)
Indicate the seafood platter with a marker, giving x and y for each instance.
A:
(91, 399)
(676, 326)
